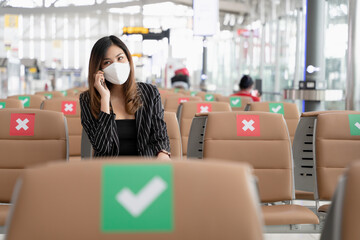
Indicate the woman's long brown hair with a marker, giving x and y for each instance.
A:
(132, 98)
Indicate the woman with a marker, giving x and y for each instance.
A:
(120, 116)
(246, 86)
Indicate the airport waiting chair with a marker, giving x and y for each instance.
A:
(337, 144)
(28, 137)
(29, 101)
(168, 201)
(289, 110)
(10, 103)
(237, 103)
(186, 112)
(172, 102)
(74, 92)
(173, 131)
(70, 107)
(262, 140)
(208, 97)
(165, 93)
(342, 221)
(50, 94)
(304, 166)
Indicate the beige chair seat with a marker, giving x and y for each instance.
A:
(4, 211)
(324, 208)
(288, 214)
(304, 195)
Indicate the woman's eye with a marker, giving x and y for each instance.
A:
(106, 63)
(120, 58)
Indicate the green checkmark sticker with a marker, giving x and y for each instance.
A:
(209, 97)
(2, 105)
(235, 101)
(137, 198)
(25, 101)
(354, 122)
(276, 108)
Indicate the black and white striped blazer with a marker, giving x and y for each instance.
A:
(150, 125)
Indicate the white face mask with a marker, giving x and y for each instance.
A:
(117, 73)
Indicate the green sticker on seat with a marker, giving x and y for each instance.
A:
(235, 101)
(25, 101)
(48, 95)
(354, 122)
(209, 97)
(2, 105)
(176, 90)
(64, 93)
(76, 91)
(137, 198)
(276, 108)
(193, 93)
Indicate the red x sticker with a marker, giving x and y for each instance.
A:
(248, 125)
(22, 124)
(68, 107)
(181, 100)
(203, 107)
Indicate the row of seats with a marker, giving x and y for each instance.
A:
(93, 202)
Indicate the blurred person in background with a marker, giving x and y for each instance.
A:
(246, 86)
(181, 79)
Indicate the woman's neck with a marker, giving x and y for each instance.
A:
(116, 90)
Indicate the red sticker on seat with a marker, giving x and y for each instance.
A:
(248, 125)
(68, 107)
(22, 124)
(181, 100)
(203, 107)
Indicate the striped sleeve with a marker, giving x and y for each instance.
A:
(158, 135)
(100, 131)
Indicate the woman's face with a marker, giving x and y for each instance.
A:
(113, 54)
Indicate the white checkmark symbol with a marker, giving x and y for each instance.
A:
(1, 106)
(275, 110)
(136, 204)
(357, 124)
(209, 98)
(234, 102)
(24, 101)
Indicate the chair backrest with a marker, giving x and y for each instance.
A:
(166, 93)
(10, 103)
(187, 111)
(337, 143)
(208, 97)
(258, 138)
(50, 94)
(289, 110)
(28, 137)
(29, 101)
(342, 220)
(173, 131)
(72, 92)
(172, 102)
(304, 166)
(70, 107)
(237, 103)
(136, 199)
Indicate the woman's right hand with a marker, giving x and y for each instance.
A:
(100, 85)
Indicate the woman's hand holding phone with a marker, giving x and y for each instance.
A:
(100, 85)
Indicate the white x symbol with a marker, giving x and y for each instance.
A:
(204, 109)
(22, 124)
(68, 107)
(248, 125)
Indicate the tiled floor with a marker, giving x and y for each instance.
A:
(274, 237)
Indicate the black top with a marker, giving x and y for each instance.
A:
(126, 130)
